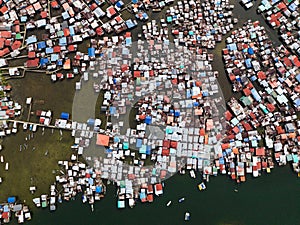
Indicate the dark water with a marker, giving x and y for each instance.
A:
(271, 199)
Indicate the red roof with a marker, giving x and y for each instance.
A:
(44, 14)
(4, 52)
(279, 130)
(16, 45)
(128, 34)
(173, 144)
(236, 129)
(5, 215)
(32, 62)
(287, 62)
(261, 75)
(3, 9)
(137, 73)
(296, 61)
(228, 115)
(281, 5)
(260, 151)
(54, 4)
(270, 107)
(5, 34)
(166, 144)
(56, 49)
(66, 32)
(111, 10)
(93, 6)
(247, 91)
(102, 140)
(71, 48)
(165, 152)
(2, 42)
(31, 55)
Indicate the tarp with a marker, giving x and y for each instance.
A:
(11, 199)
(91, 52)
(65, 115)
(102, 140)
(250, 51)
(98, 189)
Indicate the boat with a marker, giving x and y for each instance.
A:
(192, 173)
(59, 198)
(187, 216)
(201, 186)
(84, 199)
(169, 203)
(25, 126)
(92, 207)
(181, 200)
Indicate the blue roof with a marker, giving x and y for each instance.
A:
(248, 63)
(177, 113)
(112, 110)
(232, 47)
(49, 50)
(64, 115)
(148, 150)
(44, 61)
(298, 77)
(54, 57)
(11, 199)
(134, 1)
(31, 39)
(119, 4)
(98, 189)
(297, 102)
(139, 143)
(250, 51)
(72, 32)
(148, 120)
(91, 52)
(41, 45)
(255, 95)
(63, 41)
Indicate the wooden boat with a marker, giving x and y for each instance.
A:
(201, 186)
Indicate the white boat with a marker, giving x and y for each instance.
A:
(25, 126)
(187, 216)
(169, 203)
(6, 166)
(34, 128)
(92, 207)
(192, 173)
(181, 200)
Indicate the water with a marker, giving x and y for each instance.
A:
(258, 201)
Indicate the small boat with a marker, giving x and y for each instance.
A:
(201, 186)
(169, 203)
(25, 126)
(59, 198)
(192, 173)
(84, 199)
(187, 216)
(181, 200)
(92, 207)
(6, 166)
(236, 190)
